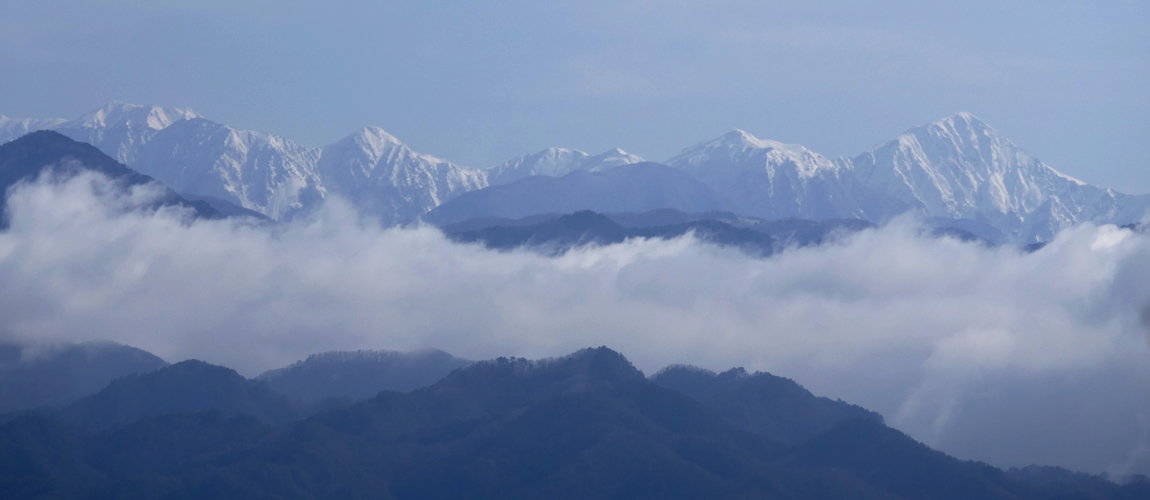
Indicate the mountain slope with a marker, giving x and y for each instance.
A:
(557, 162)
(775, 407)
(30, 156)
(119, 129)
(772, 180)
(262, 172)
(961, 168)
(384, 178)
(629, 188)
(185, 387)
(360, 374)
(32, 376)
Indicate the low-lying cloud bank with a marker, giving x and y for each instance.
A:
(989, 354)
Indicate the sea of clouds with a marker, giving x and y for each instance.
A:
(986, 353)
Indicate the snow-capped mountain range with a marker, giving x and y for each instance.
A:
(955, 168)
(263, 172)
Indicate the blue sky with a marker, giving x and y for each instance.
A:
(480, 82)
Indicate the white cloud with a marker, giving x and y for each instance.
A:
(948, 340)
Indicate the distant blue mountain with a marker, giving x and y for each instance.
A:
(26, 158)
(638, 187)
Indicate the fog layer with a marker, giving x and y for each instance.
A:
(988, 354)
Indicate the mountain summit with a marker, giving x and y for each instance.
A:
(959, 167)
(772, 180)
(384, 178)
(119, 129)
(557, 162)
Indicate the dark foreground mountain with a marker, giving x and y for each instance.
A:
(33, 376)
(185, 387)
(27, 158)
(588, 425)
(360, 374)
(775, 407)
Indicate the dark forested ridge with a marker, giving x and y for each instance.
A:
(360, 374)
(185, 387)
(775, 407)
(54, 375)
(588, 425)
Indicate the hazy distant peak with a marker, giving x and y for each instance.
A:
(372, 144)
(747, 140)
(553, 152)
(14, 128)
(151, 116)
(374, 136)
(741, 143)
(557, 162)
(613, 158)
(739, 150)
(739, 136)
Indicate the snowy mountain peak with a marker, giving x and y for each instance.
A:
(12, 129)
(743, 138)
(385, 178)
(376, 137)
(120, 129)
(557, 162)
(770, 179)
(960, 167)
(741, 148)
(368, 144)
(610, 158)
(132, 115)
(259, 171)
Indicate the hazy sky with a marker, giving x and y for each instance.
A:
(480, 82)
